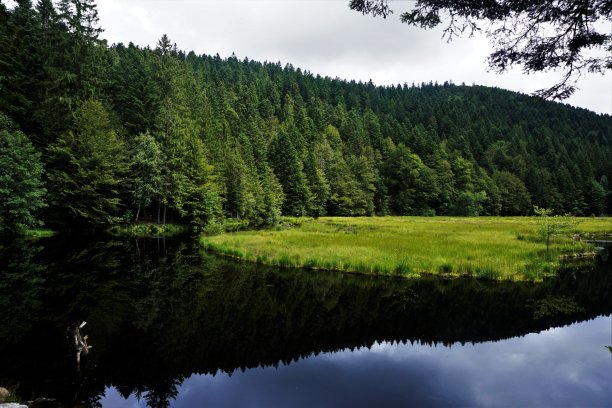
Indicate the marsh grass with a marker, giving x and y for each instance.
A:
(485, 247)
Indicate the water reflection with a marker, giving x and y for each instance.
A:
(536, 370)
(159, 312)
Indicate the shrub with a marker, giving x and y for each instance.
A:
(488, 273)
(402, 268)
(214, 228)
(445, 268)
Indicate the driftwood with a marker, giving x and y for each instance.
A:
(80, 344)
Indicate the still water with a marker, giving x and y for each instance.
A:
(172, 326)
(559, 367)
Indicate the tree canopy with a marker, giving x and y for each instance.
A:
(129, 133)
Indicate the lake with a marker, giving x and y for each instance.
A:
(171, 325)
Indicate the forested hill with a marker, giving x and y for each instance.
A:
(128, 133)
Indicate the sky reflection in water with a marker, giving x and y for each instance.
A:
(560, 367)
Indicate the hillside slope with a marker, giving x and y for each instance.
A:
(131, 133)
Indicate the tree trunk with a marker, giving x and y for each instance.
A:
(138, 212)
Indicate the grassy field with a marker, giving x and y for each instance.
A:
(484, 247)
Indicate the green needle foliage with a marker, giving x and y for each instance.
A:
(88, 166)
(146, 169)
(21, 189)
(158, 135)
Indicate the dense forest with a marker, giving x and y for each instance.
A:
(93, 135)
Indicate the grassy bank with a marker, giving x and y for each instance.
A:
(485, 247)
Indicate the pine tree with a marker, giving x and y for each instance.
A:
(21, 189)
(240, 188)
(146, 164)
(289, 170)
(273, 198)
(596, 198)
(404, 174)
(318, 185)
(365, 176)
(20, 63)
(514, 197)
(87, 169)
(136, 97)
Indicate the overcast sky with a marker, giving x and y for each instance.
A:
(325, 37)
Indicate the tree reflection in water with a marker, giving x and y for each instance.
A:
(161, 310)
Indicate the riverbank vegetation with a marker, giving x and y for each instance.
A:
(94, 135)
(39, 233)
(484, 247)
(141, 230)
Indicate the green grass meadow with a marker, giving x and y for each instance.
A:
(498, 248)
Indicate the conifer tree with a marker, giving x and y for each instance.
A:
(21, 189)
(514, 197)
(87, 169)
(259, 139)
(289, 170)
(146, 164)
(318, 185)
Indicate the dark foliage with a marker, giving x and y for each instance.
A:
(159, 135)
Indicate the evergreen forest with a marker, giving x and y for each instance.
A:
(93, 135)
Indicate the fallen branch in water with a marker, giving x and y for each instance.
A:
(80, 344)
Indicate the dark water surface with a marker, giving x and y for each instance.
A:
(172, 326)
